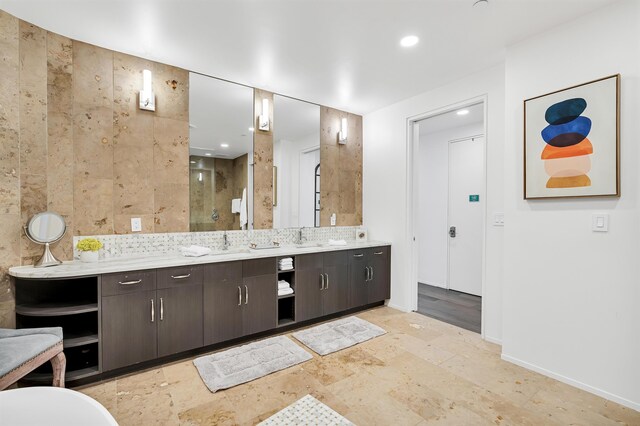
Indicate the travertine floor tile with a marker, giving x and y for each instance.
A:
(421, 372)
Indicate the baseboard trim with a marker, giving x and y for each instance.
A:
(604, 394)
(493, 340)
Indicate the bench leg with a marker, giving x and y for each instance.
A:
(59, 364)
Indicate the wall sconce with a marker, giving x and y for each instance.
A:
(200, 177)
(147, 98)
(263, 118)
(342, 134)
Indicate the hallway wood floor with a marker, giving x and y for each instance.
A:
(450, 306)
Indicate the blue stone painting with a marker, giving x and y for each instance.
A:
(567, 153)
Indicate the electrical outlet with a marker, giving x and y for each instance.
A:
(136, 224)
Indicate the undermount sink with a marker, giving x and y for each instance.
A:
(236, 250)
(308, 244)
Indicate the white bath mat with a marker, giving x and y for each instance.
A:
(337, 335)
(249, 362)
(306, 411)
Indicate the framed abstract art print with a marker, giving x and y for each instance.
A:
(571, 141)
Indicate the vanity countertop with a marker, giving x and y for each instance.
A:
(77, 269)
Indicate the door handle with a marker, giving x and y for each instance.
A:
(246, 295)
(153, 312)
(452, 232)
(321, 281)
(161, 309)
(367, 278)
(239, 296)
(327, 284)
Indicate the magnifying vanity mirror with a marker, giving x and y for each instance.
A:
(220, 154)
(296, 157)
(46, 228)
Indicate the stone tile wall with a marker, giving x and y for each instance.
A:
(73, 141)
(340, 169)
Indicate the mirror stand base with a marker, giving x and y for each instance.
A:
(47, 259)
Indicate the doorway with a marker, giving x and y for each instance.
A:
(449, 213)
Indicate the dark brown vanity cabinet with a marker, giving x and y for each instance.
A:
(322, 284)
(370, 276)
(239, 299)
(147, 314)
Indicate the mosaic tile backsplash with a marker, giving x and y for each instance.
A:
(127, 245)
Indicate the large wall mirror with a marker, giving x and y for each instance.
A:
(220, 154)
(296, 160)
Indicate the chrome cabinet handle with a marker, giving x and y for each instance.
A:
(179, 277)
(239, 296)
(368, 274)
(358, 255)
(378, 253)
(371, 273)
(161, 309)
(327, 285)
(153, 312)
(246, 294)
(321, 281)
(130, 282)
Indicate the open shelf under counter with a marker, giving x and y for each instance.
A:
(70, 375)
(55, 309)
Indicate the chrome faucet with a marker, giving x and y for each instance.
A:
(225, 241)
(300, 237)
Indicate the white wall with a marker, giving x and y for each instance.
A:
(385, 210)
(572, 296)
(433, 174)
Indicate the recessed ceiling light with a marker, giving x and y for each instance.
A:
(409, 41)
(224, 145)
(208, 154)
(251, 129)
(462, 112)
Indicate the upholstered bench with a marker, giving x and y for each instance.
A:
(24, 350)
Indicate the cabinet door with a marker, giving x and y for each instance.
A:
(380, 283)
(129, 332)
(309, 284)
(259, 304)
(335, 297)
(222, 302)
(179, 319)
(358, 291)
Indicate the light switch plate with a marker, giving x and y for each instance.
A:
(600, 222)
(136, 224)
(498, 219)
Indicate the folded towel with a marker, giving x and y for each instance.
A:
(286, 268)
(286, 259)
(235, 205)
(283, 284)
(195, 251)
(337, 243)
(285, 291)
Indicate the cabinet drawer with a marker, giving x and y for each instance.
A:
(382, 252)
(128, 282)
(224, 272)
(179, 276)
(255, 267)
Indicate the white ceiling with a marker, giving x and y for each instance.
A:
(451, 120)
(339, 53)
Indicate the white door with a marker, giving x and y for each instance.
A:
(466, 201)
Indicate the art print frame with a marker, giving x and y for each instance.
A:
(572, 141)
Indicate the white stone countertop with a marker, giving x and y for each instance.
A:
(77, 268)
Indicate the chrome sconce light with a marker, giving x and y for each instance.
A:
(263, 118)
(147, 98)
(342, 134)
